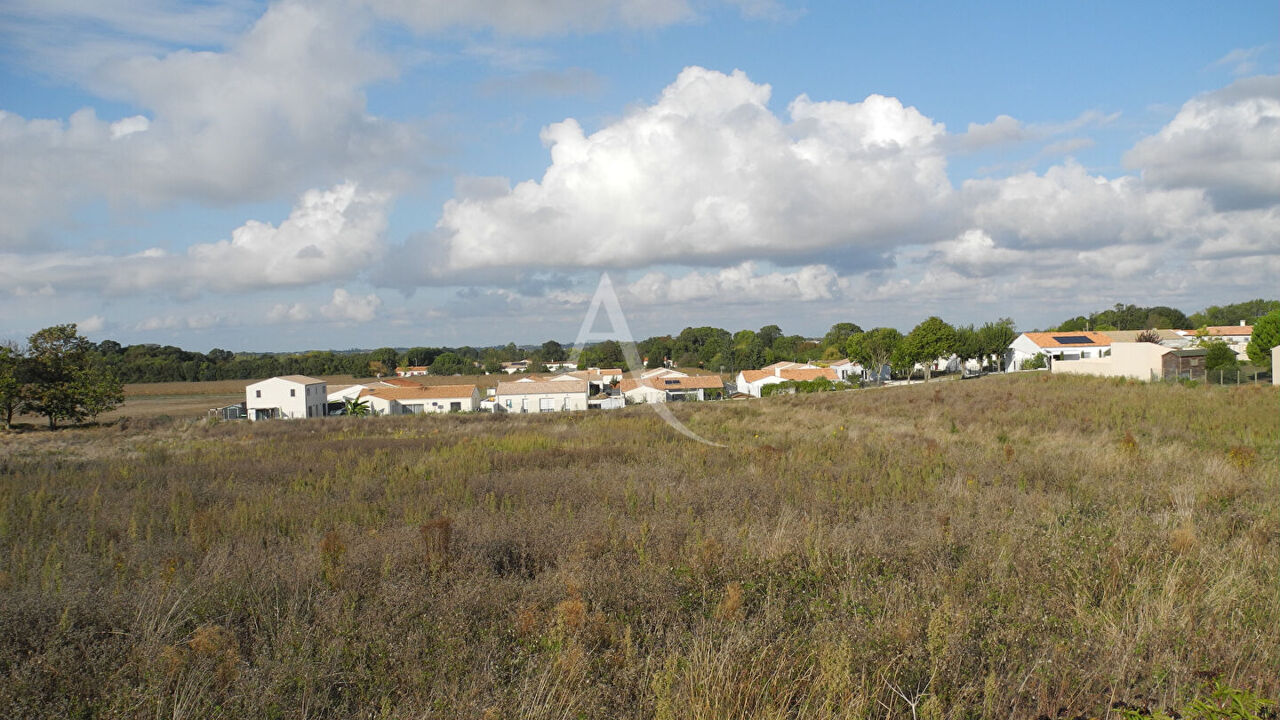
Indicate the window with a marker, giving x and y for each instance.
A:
(455, 407)
(546, 404)
(293, 393)
(508, 403)
(257, 393)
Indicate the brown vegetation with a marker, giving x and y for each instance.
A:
(1004, 547)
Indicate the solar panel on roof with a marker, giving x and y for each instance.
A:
(1073, 339)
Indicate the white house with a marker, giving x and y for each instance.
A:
(536, 397)
(411, 370)
(846, 369)
(420, 400)
(1140, 361)
(288, 396)
(670, 387)
(662, 372)
(343, 393)
(1059, 346)
(751, 382)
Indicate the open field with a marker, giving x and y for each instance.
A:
(1003, 547)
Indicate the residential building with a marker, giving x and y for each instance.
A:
(421, 400)
(536, 397)
(1056, 346)
(1140, 361)
(411, 370)
(287, 396)
(671, 387)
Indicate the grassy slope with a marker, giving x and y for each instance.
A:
(998, 547)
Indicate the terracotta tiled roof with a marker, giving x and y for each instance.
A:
(813, 374)
(1048, 339)
(1220, 330)
(402, 382)
(435, 392)
(754, 375)
(542, 388)
(780, 365)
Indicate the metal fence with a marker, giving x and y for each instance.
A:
(1221, 376)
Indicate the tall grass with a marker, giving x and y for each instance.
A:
(1008, 547)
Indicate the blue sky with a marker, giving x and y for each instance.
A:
(276, 176)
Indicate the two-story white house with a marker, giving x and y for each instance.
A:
(288, 396)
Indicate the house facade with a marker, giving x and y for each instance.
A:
(1057, 346)
(1139, 361)
(287, 396)
(539, 397)
(412, 370)
(422, 400)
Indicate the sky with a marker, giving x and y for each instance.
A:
(361, 173)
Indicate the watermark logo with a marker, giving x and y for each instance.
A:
(608, 299)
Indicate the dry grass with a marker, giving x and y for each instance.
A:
(995, 548)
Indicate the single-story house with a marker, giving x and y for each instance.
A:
(535, 397)
(411, 370)
(1169, 338)
(1231, 334)
(752, 381)
(671, 387)
(1140, 361)
(420, 400)
(511, 368)
(846, 369)
(287, 396)
(1064, 346)
(662, 372)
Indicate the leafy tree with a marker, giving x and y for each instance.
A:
(996, 337)
(389, 358)
(553, 351)
(874, 349)
(449, 364)
(420, 356)
(968, 344)
(1266, 335)
(63, 383)
(1148, 336)
(839, 334)
(10, 382)
(377, 368)
(1220, 356)
(1035, 362)
(768, 334)
(929, 341)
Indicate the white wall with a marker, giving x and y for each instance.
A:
(1140, 361)
(534, 404)
(289, 399)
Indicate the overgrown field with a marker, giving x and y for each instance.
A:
(996, 548)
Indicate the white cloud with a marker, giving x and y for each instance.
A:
(1068, 207)
(288, 313)
(91, 324)
(346, 307)
(707, 173)
(1227, 142)
(531, 19)
(173, 321)
(282, 108)
(741, 284)
(1241, 61)
(330, 235)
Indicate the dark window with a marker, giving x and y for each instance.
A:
(258, 393)
(293, 393)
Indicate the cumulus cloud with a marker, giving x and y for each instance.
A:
(330, 235)
(92, 324)
(707, 173)
(1066, 206)
(1227, 142)
(281, 108)
(345, 307)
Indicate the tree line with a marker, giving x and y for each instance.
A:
(1160, 317)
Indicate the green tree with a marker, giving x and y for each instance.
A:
(874, 349)
(63, 382)
(449, 364)
(553, 351)
(768, 334)
(356, 407)
(839, 335)
(928, 341)
(968, 344)
(389, 358)
(11, 385)
(1220, 356)
(996, 337)
(1266, 335)
(1247, 312)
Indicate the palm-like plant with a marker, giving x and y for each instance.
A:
(356, 406)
